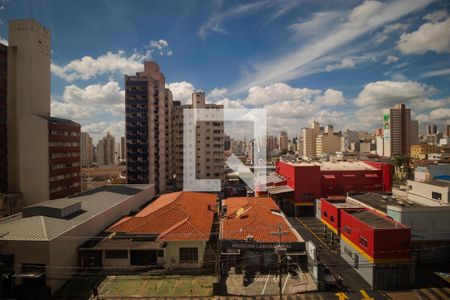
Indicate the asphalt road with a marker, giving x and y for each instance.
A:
(356, 287)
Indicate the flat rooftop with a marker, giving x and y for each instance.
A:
(380, 201)
(442, 183)
(356, 165)
(45, 228)
(373, 220)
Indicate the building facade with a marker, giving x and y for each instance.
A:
(309, 139)
(87, 150)
(328, 142)
(397, 131)
(105, 151)
(28, 105)
(148, 118)
(283, 141)
(64, 158)
(209, 155)
(3, 118)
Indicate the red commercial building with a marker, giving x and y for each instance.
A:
(306, 181)
(64, 157)
(376, 246)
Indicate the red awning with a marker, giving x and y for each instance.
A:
(371, 175)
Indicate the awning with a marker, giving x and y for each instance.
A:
(348, 175)
(329, 176)
(274, 190)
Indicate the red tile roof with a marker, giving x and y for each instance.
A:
(175, 216)
(257, 217)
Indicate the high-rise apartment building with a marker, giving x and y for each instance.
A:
(43, 153)
(64, 157)
(123, 149)
(397, 131)
(414, 132)
(431, 129)
(309, 139)
(210, 142)
(328, 142)
(283, 141)
(148, 118)
(447, 130)
(105, 151)
(3, 123)
(87, 150)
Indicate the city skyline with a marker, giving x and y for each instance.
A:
(373, 55)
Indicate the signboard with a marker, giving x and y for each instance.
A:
(262, 246)
(386, 126)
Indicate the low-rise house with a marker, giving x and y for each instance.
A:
(171, 232)
(251, 229)
(39, 245)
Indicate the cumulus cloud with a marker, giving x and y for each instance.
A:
(181, 91)
(434, 36)
(4, 41)
(330, 98)
(72, 111)
(343, 64)
(436, 16)
(217, 93)
(388, 30)
(162, 46)
(386, 93)
(276, 92)
(89, 67)
(440, 114)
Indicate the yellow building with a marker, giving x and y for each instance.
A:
(420, 151)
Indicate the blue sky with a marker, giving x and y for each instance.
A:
(338, 62)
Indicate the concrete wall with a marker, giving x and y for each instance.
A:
(172, 254)
(365, 268)
(64, 249)
(421, 192)
(28, 99)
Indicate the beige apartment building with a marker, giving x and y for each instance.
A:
(309, 139)
(209, 142)
(397, 131)
(87, 150)
(105, 150)
(283, 141)
(148, 118)
(328, 142)
(28, 102)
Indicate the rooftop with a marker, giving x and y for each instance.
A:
(174, 216)
(373, 219)
(257, 217)
(336, 165)
(380, 201)
(44, 228)
(442, 183)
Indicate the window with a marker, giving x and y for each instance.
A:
(116, 254)
(436, 196)
(160, 253)
(356, 261)
(347, 230)
(332, 219)
(188, 255)
(363, 241)
(325, 214)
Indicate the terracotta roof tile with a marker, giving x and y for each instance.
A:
(259, 217)
(174, 216)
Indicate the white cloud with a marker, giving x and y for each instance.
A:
(343, 64)
(162, 46)
(391, 59)
(217, 93)
(72, 111)
(181, 91)
(429, 37)
(319, 22)
(442, 72)
(387, 93)
(330, 98)
(95, 94)
(99, 129)
(4, 41)
(436, 16)
(440, 114)
(361, 20)
(88, 67)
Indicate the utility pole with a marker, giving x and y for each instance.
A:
(280, 250)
